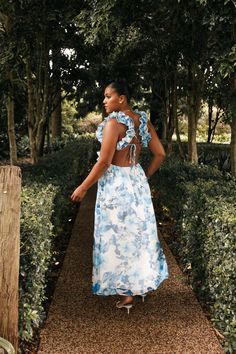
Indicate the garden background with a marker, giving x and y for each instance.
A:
(179, 57)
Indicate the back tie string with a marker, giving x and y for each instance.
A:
(132, 154)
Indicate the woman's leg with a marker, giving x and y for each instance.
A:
(126, 300)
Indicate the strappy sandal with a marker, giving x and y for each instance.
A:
(143, 297)
(128, 306)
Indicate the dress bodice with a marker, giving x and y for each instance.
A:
(130, 132)
(121, 117)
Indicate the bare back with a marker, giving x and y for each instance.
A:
(124, 136)
(122, 157)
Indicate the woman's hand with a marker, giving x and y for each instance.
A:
(78, 194)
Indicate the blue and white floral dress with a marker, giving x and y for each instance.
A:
(127, 255)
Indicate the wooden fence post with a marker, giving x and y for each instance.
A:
(10, 193)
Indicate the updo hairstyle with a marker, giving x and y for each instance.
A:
(121, 87)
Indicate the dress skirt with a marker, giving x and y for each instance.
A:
(127, 255)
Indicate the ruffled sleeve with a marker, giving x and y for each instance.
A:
(99, 131)
(130, 132)
(143, 128)
(121, 118)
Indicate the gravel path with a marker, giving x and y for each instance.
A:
(170, 321)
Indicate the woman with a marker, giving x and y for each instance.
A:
(127, 256)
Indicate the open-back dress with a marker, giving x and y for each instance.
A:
(127, 255)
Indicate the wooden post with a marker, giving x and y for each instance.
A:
(10, 193)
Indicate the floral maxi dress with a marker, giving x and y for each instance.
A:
(127, 255)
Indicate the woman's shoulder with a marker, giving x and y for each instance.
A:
(114, 118)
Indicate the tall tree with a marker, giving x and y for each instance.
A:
(7, 79)
(221, 21)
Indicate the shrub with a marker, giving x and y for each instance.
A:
(203, 201)
(23, 145)
(35, 253)
(215, 155)
(208, 246)
(89, 124)
(45, 206)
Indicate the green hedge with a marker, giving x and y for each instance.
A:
(203, 202)
(35, 253)
(208, 246)
(215, 155)
(46, 205)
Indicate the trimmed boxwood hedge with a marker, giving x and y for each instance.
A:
(46, 205)
(203, 201)
(35, 253)
(208, 246)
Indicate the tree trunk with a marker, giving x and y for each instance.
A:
(192, 142)
(194, 101)
(213, 129)
(210, 116)
(48, 137)
(38, 99)
(11, 130)
(158, 110)
(233, 124)
(10, 192)
(30, 114)
(56, 123)
(233, 147)
(233, 130)
(165, 115)
(44, 106)
(179, 142)
(10, 104)
(40, 138)
(172, 113)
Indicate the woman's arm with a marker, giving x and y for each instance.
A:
(108, 147)
(157, 149)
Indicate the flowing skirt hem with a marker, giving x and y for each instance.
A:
(97, 290)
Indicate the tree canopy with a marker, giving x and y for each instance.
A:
(172, 52)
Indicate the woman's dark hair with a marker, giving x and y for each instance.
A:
(121, 87)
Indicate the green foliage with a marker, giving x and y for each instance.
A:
(156, 45)
(214, 155)
(221, 132)
(68, 108)
(74, 125)
(46, 206)
(208, 246)
(89, 123)
(203, 202)
(35, 255)
(22, 145)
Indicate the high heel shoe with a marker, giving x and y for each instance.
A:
(128, 306)
(143, 297)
